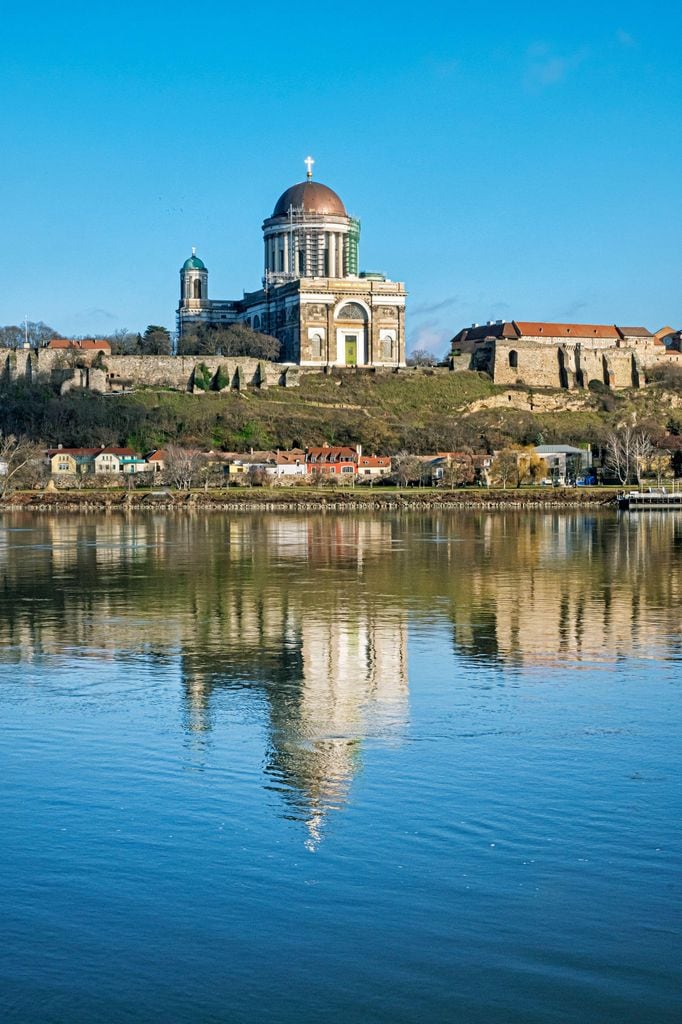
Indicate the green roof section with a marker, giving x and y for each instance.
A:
(194, 263)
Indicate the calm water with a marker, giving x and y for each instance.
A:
(287, 769)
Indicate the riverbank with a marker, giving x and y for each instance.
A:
(290, 500)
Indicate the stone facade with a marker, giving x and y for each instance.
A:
(565, 356)
(320, 322)
(196, 374)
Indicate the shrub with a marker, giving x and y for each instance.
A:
(202, 377)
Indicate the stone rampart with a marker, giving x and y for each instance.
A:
(99, 372)
(525, 363)
(564, 365)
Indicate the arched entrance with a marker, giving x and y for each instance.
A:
(351, 320)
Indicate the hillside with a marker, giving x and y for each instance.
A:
(417, 410)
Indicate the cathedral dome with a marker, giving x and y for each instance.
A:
(194, 263)
(313, 197)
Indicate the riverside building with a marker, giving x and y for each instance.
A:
(313, 297)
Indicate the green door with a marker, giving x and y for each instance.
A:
(351, 350)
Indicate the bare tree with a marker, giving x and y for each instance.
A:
(19, 462)
(256, 476)
(642, 452)
(619, 454)
(627, 451)
(182, 467)
(420, 357)
(407, 468)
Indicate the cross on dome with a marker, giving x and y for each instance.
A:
(309, 164)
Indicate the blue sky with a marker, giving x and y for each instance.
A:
(517, 161)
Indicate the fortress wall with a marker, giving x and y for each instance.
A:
(621, 368)
(537, 365)
(117, 372)
(175, 371)
(591, 363)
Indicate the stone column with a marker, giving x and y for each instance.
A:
(331, 249)
(400, 341)
(373, 344)
(286, 252)
(331, 334)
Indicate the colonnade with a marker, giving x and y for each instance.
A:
(306, 253)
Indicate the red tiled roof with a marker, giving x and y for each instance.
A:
(330, 453)
(89, 344)
(290, 458)
(375, 460)
(567, 330)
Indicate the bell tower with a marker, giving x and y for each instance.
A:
(193, 283)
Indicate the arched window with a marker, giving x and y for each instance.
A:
(197, 289)
(513, 359)
(387, 347)
(352, 311)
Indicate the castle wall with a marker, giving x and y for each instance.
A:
(591, 367)
(116, 373)
(563, 366)
(536, 365)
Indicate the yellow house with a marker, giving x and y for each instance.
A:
(71, 461)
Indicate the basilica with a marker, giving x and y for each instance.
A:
(314, 298)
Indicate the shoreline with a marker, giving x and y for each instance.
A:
(268, 501)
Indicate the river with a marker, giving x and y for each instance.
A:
(286, 768)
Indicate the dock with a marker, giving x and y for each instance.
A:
(637, 501)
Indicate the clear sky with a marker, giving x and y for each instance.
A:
(506, 160)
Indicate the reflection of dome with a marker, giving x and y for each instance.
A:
(313, 197)
(193, 263)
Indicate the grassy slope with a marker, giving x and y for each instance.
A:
(384, 412)
(387, 413)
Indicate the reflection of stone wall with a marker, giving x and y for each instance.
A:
(591, 589)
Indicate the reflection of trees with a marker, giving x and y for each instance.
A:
(306, 615)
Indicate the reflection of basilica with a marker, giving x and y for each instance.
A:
(305, 618)
(276, 608)
(331, 662)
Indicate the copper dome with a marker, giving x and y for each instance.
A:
(313, 197)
